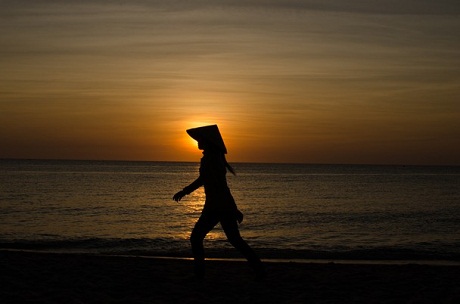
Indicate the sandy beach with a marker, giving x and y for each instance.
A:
(28, 277)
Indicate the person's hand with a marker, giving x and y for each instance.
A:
(179, 195)
(239, 216)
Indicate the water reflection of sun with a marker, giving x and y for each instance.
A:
(194, 201)
(193, 205)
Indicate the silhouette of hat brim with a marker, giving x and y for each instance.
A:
(209, 134)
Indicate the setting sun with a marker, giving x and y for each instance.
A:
(124, 82)
(190, 143)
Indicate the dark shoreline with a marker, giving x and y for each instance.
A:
(338, 260)
(86, 278)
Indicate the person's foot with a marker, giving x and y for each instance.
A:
(261, 274)
(199, 270)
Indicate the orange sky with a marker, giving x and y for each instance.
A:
(296, 81)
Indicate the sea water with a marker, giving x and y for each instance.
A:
(292, 211)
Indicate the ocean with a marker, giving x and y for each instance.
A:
(292, 211)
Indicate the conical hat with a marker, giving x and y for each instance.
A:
(210, 134)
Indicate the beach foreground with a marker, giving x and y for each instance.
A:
(28, 277)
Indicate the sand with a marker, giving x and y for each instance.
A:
(28, 277)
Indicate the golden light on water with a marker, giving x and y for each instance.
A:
(191, 206)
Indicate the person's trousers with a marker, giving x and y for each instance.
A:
(204, 225)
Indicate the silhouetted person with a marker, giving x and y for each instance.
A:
(219, 205)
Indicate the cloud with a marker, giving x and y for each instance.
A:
(394, 7)
(397, 7)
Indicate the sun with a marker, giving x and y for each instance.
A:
(191, 142)
(186, 142)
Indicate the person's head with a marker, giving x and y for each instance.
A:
(202, 145)
(208, 138)
(208, 146)
(210, 141)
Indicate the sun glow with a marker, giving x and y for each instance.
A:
(189, 143)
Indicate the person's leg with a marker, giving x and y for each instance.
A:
(232, 232)
(205, 223)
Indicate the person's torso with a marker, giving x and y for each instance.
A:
(213, 172)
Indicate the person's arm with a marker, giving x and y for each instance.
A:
(189, 189)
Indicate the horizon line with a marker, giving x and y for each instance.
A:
(236, 162)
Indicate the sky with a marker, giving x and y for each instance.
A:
(313, 81)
